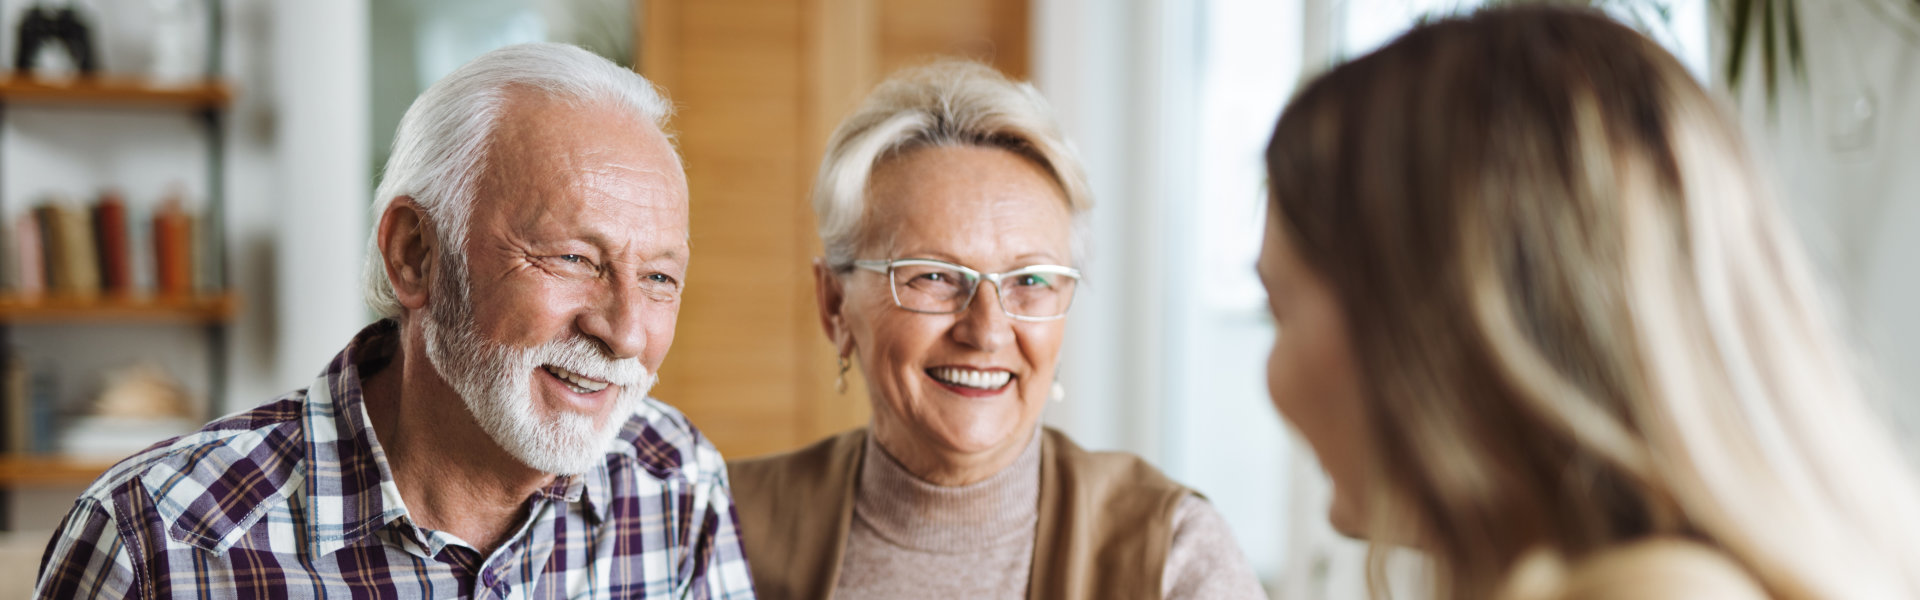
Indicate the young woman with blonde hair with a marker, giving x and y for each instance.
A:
(1541, 321)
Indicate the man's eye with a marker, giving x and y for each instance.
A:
(661, 278)
(572, 265)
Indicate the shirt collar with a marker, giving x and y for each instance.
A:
(592, 487)
(350, 489)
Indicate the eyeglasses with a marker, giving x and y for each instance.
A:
(1032, 293)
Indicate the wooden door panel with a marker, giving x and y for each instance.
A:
(759, 86)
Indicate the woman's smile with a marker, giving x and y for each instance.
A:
(972, 382)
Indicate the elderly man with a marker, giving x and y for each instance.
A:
(491, 436)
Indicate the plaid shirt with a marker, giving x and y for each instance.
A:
(294, 500)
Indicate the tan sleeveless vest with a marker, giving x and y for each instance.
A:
(1105, 522)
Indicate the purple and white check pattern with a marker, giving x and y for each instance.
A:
(294, 499)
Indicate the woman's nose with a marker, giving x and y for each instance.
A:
(984, 324)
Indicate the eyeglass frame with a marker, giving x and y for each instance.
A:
(886, 266)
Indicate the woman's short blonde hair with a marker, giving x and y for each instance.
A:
(1578, 317)
(947, 103)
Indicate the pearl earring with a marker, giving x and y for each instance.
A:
(840, 383)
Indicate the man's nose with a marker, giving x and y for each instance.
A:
(616, 320)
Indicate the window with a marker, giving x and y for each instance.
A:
(1680, 25)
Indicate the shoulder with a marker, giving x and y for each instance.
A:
(825, 448)
(206, 488)
(766, 476)
(1658, 569)
(1116, 485)
(662, 442)
(1119, 473)
(1204, 561)
(794, 510)
(1196, 519)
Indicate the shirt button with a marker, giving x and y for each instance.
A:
(489, 580)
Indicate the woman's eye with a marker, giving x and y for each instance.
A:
(573, 258)
(661, 278)
(1030, 280)
(942, 280)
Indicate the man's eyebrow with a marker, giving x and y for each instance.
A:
(600, 240)
(678, 253)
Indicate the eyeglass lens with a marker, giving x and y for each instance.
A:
(940, 289)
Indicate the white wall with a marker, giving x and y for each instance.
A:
(321, 63)
(1163, 358)
(1090, 61)
(1849, 180)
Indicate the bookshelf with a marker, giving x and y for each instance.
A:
(112, 92)
(188, 298)
(31, 471)
(209, 309)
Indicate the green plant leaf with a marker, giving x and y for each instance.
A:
(1780, 42)
(1796, 54)
(1737, 34)
(1769, 48)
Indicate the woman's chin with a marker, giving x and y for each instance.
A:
(1346, 521)
(978, 439)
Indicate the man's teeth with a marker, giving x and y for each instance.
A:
(985, 380)
(579, 384)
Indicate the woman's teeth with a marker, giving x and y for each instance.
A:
(579, 384)
(983, 380)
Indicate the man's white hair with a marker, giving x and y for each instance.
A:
(948, 103)
(441, 147)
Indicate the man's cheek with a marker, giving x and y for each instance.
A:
(659, 340)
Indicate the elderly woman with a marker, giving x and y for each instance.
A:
(952, 214)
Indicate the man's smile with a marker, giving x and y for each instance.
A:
(578, 383)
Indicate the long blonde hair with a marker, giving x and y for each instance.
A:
(1578, 317)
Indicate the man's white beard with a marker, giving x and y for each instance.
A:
(496, 382)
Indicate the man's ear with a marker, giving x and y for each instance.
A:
(831, 298)
(407, 249)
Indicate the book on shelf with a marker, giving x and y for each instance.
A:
(16, 407)
(42, 396)
(110, 234)
(73, 262)
(173, 249)
(27, 263)
(139, 248)
(112, 248)
(26, 407)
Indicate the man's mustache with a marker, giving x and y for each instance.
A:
(585, 358)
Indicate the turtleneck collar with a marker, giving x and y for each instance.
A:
(909, 512)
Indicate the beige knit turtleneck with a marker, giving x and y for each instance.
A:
(913, 539)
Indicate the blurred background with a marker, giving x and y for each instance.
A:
(185, 183)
